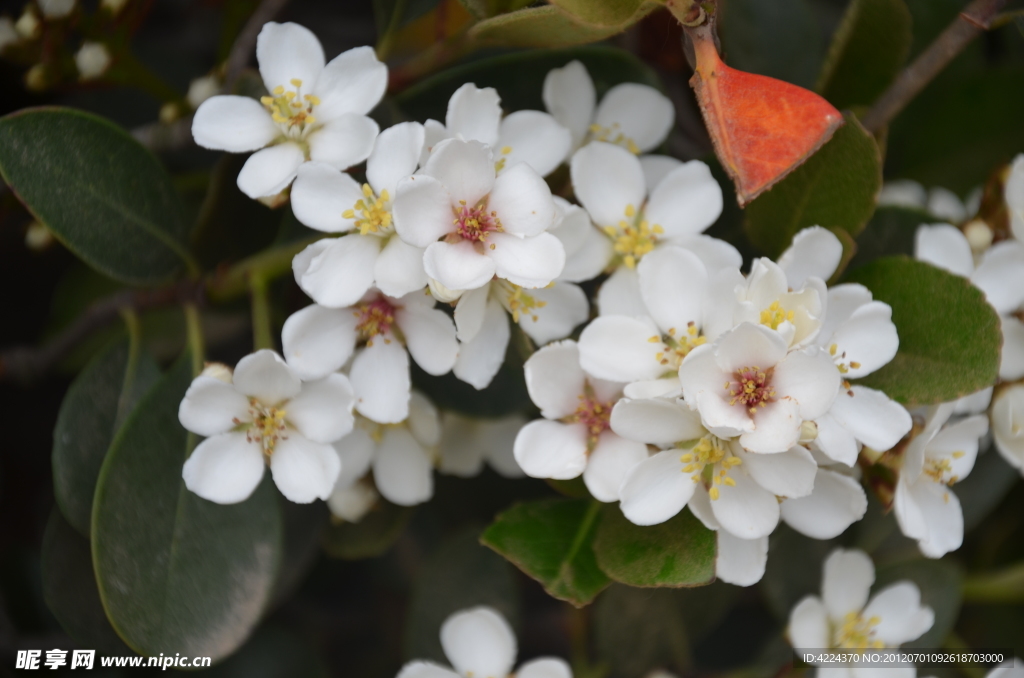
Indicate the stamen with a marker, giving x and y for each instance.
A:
(372, 214)
(633, 240)
(751, 388)
(267, 427)
(474, 223)
(375, 318)
(775, 315)
(613, 135)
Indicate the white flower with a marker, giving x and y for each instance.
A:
(738, 489)
(337, 272)
(609, 182)
(575, 435)
(545, 314)
(837, 501)
(56, 9)
(814, 253)
(843, 618)
(8, 34)
(201, 89)
(747, 384)
(1008, 425)
(487, 226)
(999, 273)
(634, 116)
(467, 443)
(400, 457)
(92, 60)
(926, 507)
(587, 250)
(313, 112)
(1014, 194)
(941, 203)
(264, 415)
(531, 137)
(480, 644)
(318, 341)
(740, 562)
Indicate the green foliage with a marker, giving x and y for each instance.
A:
(544, 26)
(940, 582)
(273, 652)
(100, 192)
(371, 536)
(949, 335)
(635, 630)
(177, 573)
(551, 540)
(779, 39)
(96, 405)
(867, 52)
(678, 552)
(836, 188)
(600, 12)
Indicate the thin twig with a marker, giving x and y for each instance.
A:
(245, 43)
(976, 18)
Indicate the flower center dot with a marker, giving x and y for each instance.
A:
(290, 109)
(858, 633)
(267, 425)
(375, 318)
(633, 238)
(474, 223)
(594, 414)
(372, 213)
(751, 387)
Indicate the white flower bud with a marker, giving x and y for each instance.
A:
(979, 235)
(38, 237)
(92, 60)
(442, 293)
(218, 371)
(8, 34)
(201, 89)
(350, 504)
(56, 9)
(28, 25)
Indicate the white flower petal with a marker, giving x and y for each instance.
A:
(565, 307)
(815, 251)
(422, 210)
(430, 338)
(959, 444)
(1007, 417)
(746, 510)
(656, 168)
(533, 138)
(570, 97)
(352, 82)
(943, 516)
(673, 285)
(522, 200)
(834, 440)
(424, 421)
(659, 422)
(398, 269)
(740, 562)
(469, 312)
(323, 411)
(380, 379)
(551, 449)
(340, 271)
(497, 437)
(590, 258)
(715, 254)
(533, 261)
(667, 387)
(903, 193)
(402, 470)
(700, 506)
(352, 502)
(846, 582)
(836, 502)
(224, 469)
(395, 156)
(776, 427)
(868, 338)
(808, 625)
(465, 168)
(843, 300)
(460, 451)
(555, 380)
(945, 204)
(233, 123)
(546, 667)
(474, 114)
(287, 52)
(656, 489)
(211, 406)
(1000, 275)
(356, 452)
(264, 375)
(609, 463)
(269, 171)
(640, 112)
(304, 470)
(321, 194)
(425, 670)
(479, 642)
(616, 348)
(909, 513)
(872, 417)
(620, 294)
(786, 474)
(809, 377)
(944, 246)
(902, 617)
(702, 381)
(458, 266)
(318, 340)
(480, 359)
(753, 345)
(607, 178)
(686, 201)
(345, 141)
(1011, 362)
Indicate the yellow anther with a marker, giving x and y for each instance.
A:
(832, 349)
(654, 340)
(296, 82)
(372, 214)
(775, 315)
(713, 492)
(520, 302)
(630, 211)
(633, 240)
(612, 135)
(505, 150)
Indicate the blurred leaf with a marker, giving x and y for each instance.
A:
(177, 573)
(273, 652)
(989, 482)
(551, 540)
(793, 570)
(890, 231)
(636, 630)
(95, 406)
(940, 582)
(461, 573)
(544, 26)
(98, 190)
(371, 536)
(678, 552)
(867, 52)
(779, 39)
(519, 78)
(949, 335)
(836, 188)
(304, 525)
(600, 12)
(69, 587)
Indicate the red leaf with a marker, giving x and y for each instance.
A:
(762, 128)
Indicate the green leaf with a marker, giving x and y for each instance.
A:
(600, 12)
(867, 52)
(836, 188)
(69, 588)
(102, 194)
(544, 26)
(779, 39)
(177, 573)
(96, 404)
(371, 536)
(519, 78)
(636, 629)
(678, 552)
(551, 540)
(949, 335)
(940, 582)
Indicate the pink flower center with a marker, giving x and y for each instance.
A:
(751, 387)
(593, 414)
(474, 223)
(375, 317)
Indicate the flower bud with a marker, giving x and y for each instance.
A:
(8, 33)
(218, 371)
(201, 89)
(56, 9)
(38, 237)
(442, 293)
(28, 25)
(92, 60)
(979, 235)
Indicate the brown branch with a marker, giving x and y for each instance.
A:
(969, 24)
(245, 43)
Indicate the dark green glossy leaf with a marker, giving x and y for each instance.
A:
(867, 52)
(95, 406)
(600, 12)
(459, 574)
(69, 588)
(836, 188)
(371, 536)
(940, 582)
(551, 540)
(678, 552)
(779, 39)
(519, 78)
(544, 26)
(177, 573)
(102, 194)
(949, 335)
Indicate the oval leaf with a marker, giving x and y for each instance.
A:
(949, 335)
(836, 188)
(176, 573)
(678, 552)
(544, 26)
(96, 404)
(551, 540)
(600, 12)
(98, 190)
(371, 536)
